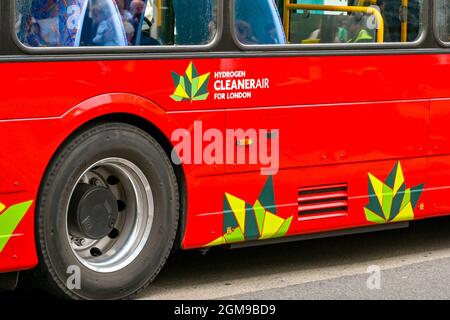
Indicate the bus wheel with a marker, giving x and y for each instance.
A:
(107, 214)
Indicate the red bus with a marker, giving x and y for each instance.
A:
(131, 128)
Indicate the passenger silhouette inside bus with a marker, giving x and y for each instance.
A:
(105, 33)
(358, 31)
(258, 22)
(77, 23)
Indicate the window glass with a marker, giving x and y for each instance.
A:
(443, 20)
(79, 23)
(266, 22)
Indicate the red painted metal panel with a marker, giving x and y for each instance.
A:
(339, 118)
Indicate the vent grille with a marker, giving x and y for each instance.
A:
(332, 199)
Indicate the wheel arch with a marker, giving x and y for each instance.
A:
(152, 130)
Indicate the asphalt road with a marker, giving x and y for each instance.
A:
(414, 264)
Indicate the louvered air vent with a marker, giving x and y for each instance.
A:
(323, 200)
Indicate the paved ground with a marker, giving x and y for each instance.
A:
(426, 280)
(414, 262)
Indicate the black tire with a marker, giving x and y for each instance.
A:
(112, 140)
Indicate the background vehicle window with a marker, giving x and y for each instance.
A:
(78, 23)
(343, 21)
(443, 20)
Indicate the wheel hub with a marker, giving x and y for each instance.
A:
(93, 212)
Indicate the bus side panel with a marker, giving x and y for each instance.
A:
(24, 156)
(325, 150)
(30, 144)
(439, 162)
(327, 142)
(355, 176)
(301, 90)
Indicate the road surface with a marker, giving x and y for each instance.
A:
(414, 263)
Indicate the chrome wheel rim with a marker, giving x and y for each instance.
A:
(132, 229)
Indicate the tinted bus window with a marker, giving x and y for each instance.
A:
(327, 21)
(78, 23)
(258, 22)
(443, 20)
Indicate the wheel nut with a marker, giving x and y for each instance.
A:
(95, 182)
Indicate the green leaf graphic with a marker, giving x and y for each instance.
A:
(191, 86)
(391, 201)
(10, 219)
(245, 222)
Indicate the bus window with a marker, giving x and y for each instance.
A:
(258, 22)
(195, 21)
(91, 23)
(443, 20)
(328, 21)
